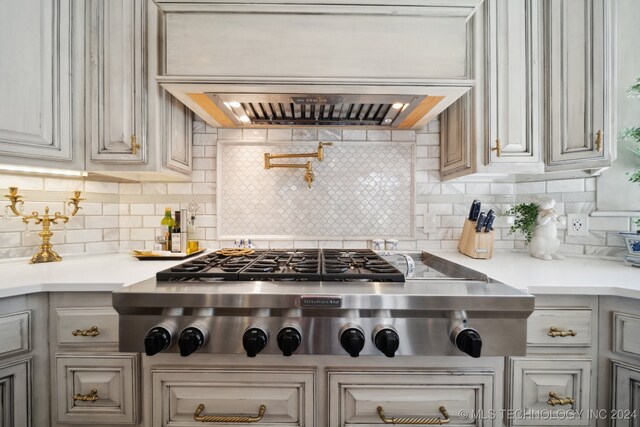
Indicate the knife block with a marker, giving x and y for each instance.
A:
(474, 244)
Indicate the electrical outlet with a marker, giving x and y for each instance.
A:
(577, 224)
(430, 223)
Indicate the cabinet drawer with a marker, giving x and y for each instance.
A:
(287, 396)
(97, 388)
(571, 327)
(355, 398)
(89, 326)
(534, 382)
(626, 334)
(15, 333)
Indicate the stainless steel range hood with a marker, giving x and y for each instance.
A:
(284, 63)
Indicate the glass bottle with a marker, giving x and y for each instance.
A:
(167, 224)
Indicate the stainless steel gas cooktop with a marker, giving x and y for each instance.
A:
(308, 302)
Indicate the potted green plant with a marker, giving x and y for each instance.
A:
(524, 219)
(632, 134)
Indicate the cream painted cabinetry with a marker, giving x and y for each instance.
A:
(41, 115)
(554, 384)
(579, 83)
(363, 398)
(619, 361)
(136, 130)
(495, 128)
(91, 383)
(24, 361)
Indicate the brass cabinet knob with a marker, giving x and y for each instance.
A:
(598, 142)
(134, 145)
(91, 397)
(555, 332)
(91, 332)
(554, 400)
(497, 148)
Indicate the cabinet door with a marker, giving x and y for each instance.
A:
(457, 139)
(512, 82)
(578, 70)
(36, 89)
(176, 132)
(15, 393)
(625, 396)
(536, 382)
(117, 82)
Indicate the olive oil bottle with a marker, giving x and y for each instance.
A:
(167, 223)
(176, 235)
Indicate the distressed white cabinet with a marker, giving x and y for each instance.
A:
(91, 382)
(41, 96)
(24, 360)
(554, 385)
(495, 128)
(135, 129)
(579, 83)
(355, 398)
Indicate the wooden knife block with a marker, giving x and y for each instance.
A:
(473, 244)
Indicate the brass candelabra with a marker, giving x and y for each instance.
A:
(45, 253)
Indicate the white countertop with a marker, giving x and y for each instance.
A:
(106, 272)
(573, 275)
(93, 273)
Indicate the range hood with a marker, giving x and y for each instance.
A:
(288, 63)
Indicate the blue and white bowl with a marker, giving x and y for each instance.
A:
(633, 242)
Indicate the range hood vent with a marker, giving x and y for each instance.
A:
(315, 110)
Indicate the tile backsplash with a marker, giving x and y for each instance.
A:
(126, 216)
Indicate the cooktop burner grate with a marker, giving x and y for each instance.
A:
(287, 265)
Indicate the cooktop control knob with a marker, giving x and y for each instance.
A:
(352, 340)
(158, 339)
(469, 341)
(253, 341)
(289, 340)
(387, 341)
(191, 339)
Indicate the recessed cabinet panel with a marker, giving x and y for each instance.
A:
(626, 334)
(116, 82)
(625, 399)
(97, 388)
(15, 393)
(87, 326)
(288, 397)
(457, 139)
(176, 134)
(577, 66)
(535, 381)
(15, 332)
(356, 397)
(36, 88)
(559, 328)
(513, 85)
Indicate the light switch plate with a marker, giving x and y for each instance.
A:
(577, 224)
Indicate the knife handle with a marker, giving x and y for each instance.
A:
(481, 220)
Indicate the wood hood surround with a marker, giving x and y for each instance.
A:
(421, 48)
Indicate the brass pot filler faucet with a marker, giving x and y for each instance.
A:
(308, 176)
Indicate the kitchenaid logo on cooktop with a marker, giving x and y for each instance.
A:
(320, 301)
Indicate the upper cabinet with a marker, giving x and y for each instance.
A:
(137, 130)
(579, 70)
(543, 95)
(41, 86)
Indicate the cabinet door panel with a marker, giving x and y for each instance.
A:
(36, 85)
(15, 332)
(117, 82)
(176, 134)
(15, 393)
(577, 67)
(513, 81)
(625, 398)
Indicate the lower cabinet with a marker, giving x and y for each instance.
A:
(625, 396)
(190, 397)
(549, 392)
(97, 388)
(15, 393)
(410, 397)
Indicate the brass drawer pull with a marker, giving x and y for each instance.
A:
(497, 148)
(227, 418)
(598, 143)
(415, 420)
(91, 332)
(555, 332)
(91, 397)
(134, 145)
(554, 400)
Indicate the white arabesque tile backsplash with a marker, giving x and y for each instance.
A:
(127, 215)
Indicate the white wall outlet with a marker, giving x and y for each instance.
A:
(577, 224)
(430, 223)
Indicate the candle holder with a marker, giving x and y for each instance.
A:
(45, 253)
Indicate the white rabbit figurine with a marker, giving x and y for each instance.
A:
(544, 242)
